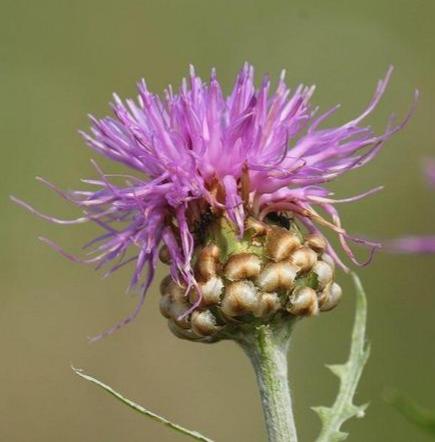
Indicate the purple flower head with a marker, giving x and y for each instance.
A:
(196, 151)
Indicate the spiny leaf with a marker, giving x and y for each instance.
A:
(338, 369)
(349, 374)
(142, 410)
(413, 412)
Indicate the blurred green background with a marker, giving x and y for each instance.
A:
(60, 60)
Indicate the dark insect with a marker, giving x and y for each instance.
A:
(200, 226)
(280, 219)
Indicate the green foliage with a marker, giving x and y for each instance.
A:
(349, 374)
(413, 412)
(193, 434)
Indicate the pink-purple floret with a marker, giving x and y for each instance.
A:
(412, 244)
(416, 244)
(181, 145)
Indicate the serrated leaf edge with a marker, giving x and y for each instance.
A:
(349, 374)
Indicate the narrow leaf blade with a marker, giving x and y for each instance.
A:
(193, 434)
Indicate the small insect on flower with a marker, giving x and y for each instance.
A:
(230, 186)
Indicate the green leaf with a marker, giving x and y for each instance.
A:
(349, 375)
(413, 412)
(142, 410)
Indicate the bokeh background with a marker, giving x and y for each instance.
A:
(60, 60)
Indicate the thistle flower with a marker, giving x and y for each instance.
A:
(255, 164)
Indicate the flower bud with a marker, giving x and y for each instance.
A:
(328, 259)
(324, 273)
(204, 323)
(277, 275)
(165, 305)
(304, 258)
(176, 292)
(176, 311)
(334, 293)
(281, 243)
(182, 332)
(164, 284)
(257, 227)
(316, 242)
(303, 302)
(268, 304)
(211, 291)
(240, 298)
(242, 266)
(207, 262)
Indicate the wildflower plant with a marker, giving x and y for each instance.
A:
(231, 193)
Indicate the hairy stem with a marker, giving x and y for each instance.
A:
(267, 349)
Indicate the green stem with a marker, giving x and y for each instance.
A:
(267, 349)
